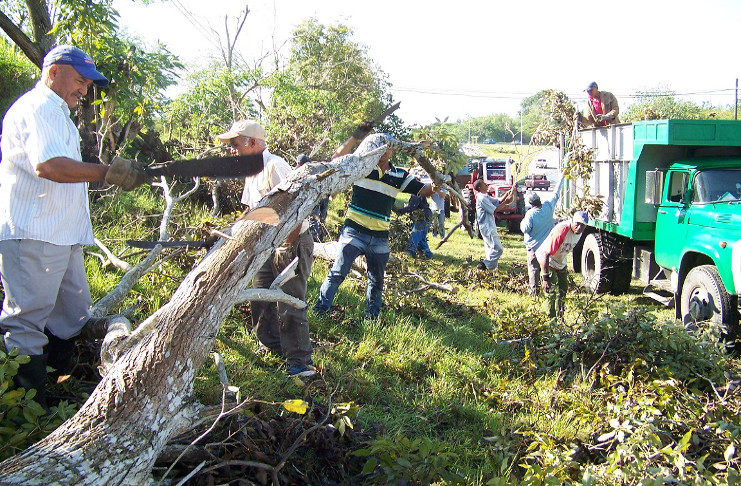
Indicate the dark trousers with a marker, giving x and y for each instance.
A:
(278, 326)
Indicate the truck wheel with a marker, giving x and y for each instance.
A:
(470, 198)
(704, 298)
(595, 269)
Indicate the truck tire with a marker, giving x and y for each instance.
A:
(595, 268)
(513, 226)
(469, 195)
(704, 298)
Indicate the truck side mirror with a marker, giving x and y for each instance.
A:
(687, 196)
(654, 186)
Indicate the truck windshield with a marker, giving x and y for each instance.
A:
(717, 185)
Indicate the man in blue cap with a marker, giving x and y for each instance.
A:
(45, 216)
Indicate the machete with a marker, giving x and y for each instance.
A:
(228, 167)
(170, 244)
(263, 215)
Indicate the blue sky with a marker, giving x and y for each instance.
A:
(474, 58)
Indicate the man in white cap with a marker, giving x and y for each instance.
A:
(552, 256)
(280, 327)
(45, 216)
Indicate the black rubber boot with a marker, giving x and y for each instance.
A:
(60, 352)
(32, 375)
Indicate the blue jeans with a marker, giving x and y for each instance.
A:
(354, 243)
(418, 239)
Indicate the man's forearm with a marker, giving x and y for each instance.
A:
(345, 148)
(66, 170)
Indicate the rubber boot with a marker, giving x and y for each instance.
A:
(60, 352)
(32, 375)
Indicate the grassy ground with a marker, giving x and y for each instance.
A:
(477, 386)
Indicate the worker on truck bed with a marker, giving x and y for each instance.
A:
(602, 108)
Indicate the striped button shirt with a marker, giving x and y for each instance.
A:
(373, 198)
(35, 129)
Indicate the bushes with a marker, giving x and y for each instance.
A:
(17, 75)
(22, 420)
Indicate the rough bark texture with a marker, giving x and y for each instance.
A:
(145, 397)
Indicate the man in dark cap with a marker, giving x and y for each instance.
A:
(535, 226)
(602, 108)
(45, 216)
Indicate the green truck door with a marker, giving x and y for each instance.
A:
(671, 228)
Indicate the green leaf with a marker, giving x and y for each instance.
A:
(370, 465)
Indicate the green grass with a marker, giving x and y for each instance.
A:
(441, 366)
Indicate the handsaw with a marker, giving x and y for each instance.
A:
(227, 167)
(386, 113)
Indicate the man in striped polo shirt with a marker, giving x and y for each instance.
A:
(366, 228)
(45, 216)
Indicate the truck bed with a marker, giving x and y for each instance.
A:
(625, 152)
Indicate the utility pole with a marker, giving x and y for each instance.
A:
(520, 127)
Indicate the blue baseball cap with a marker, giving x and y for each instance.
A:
(78, 59)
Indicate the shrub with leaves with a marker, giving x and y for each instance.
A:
(22, 420)
(401, 460)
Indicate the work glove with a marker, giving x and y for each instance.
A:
(125, 174)
(362, 130)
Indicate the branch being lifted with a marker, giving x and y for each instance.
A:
(442, 180)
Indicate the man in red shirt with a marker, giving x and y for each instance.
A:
(552, 256)
(602, 108)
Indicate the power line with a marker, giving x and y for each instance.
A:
(195, 23)
(517, 96)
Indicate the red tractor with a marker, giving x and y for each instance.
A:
(497, 174)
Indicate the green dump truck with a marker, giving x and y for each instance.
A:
(671, 215)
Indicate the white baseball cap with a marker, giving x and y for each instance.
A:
(243, 128)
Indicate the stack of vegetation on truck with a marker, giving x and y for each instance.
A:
(671, 216)
(497, 173)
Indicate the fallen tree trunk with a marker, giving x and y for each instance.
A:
(145, 398)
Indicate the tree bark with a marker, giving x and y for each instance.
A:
(145, 398)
